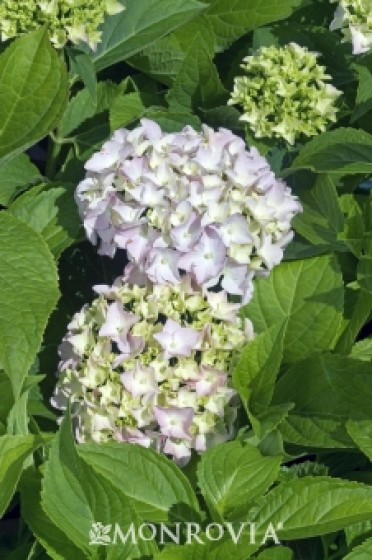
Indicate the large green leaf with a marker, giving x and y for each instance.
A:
(344, 151)
(82, 66)
(362, 350)
(306, 295)
(230, 20)
(328, 386)
(156, 487)
(206, 549)
(197, 83)
(170, 121)
(358, 306)
(362, 552)
(361, 432)
(141, 24)
(75, 497)
(52, 213)
(364, 95)
(125, 109)
(315, 432)
(16, 173)
(163, 59)
(254, 375)
(231, 476)
(28, 295)
(7, 397)
(33, 92)
(13, 452)
(322, 219)
(53, 539)
(276, 553)
(82, 107)
(312, 506)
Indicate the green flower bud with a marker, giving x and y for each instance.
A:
(66, 20)
(284, 93)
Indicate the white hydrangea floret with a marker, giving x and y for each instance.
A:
(194, 202)
(354, 17)
(151, 365)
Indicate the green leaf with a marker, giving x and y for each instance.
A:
(358, 305)
(171, 121)
(358, 532)
(161, 60)
(13, 452)
(354, 228)
(231, 20)
(315, 432)
(322, 219)
(7, 397)
(125, 109)
(363, 102)
(82, 66)
(312, 506)
(17, 422)
(231, 476)
(345, 151)
(52, 213)
(28, 295)
(361, 432)
(255, 374)
(81, 107)
(224, 549)
(361, 552)
(362, 350)
(276, 553)
(197, 84)
(15, 173)
(74, 497)
(55, 541)
(327, 386)
(308, 296)
(33, 92)
(154, 484)
(364, 272)
(140, 25)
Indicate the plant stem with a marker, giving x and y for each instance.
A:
(52, 156)
(325, 548)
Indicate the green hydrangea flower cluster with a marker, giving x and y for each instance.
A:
(284, 93)
(354, 17)
(67, 20)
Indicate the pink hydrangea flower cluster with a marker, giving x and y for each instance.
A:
(189, 202)
(150, 365)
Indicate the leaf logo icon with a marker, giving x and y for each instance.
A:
(99, 534)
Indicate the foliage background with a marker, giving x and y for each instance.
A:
(302, 456)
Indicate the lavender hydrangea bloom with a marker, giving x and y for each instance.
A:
(195, 202)
(150, 365)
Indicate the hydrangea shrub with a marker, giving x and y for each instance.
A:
(186, 294)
